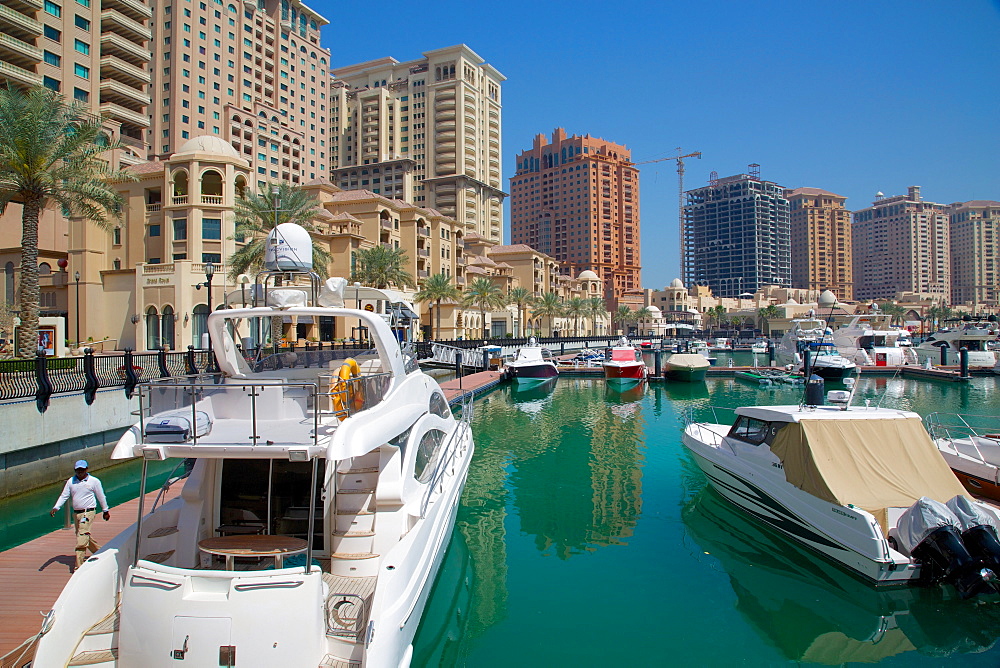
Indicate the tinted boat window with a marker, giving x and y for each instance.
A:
(750, 430)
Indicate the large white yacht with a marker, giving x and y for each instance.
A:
(864, 487)
(976, 336)
(321, 498)
(868, 339)
(812, 334)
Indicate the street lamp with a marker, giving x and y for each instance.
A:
(357, 298)
(76, 275)
(209, 272)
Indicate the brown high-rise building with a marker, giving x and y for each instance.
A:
(821, 241)
(577, 200)
(975, 252)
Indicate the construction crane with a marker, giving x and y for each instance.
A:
(680, 199)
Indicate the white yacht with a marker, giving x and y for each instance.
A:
(321, 498)
(533, 364)
(976, 336)
(971, 446)
(868, 339)
(861, 486)
(812, 334)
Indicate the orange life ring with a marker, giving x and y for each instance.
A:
(342, 389)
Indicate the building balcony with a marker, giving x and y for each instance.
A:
(153, 208)
(179, 200)
(386, 224)
(215, 200)
(424, 231)
(423, 252)
(111, 66)
(444, 94)
(114, 21)
(19, 52)
(423, 273)
(444, 115)
(460, 261)
(19, 22)
(19, 74)
(113, 44)
(132, 8)
(460, 280)
(113, 90)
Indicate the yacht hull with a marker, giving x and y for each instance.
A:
(533, 372)
(624, 373)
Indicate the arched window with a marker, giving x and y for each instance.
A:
(199, 326)
(8, 278)
(167, 321)
(240, 186)
(152, 329)
(180, 184)
(211, 183)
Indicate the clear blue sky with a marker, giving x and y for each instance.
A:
(853, 97)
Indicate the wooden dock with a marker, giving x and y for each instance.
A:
(34, 574)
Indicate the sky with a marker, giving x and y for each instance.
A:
(852, 97)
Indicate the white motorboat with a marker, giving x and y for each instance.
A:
(721, 344)
(623, 363)
(971, 446)
(317, 511)
(812, 334)
(976, 336)
(868, 339)
(760, 346)
(532, 364)
(862, 486)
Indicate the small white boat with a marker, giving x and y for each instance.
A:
(310, 530)
(868, 339)
(760, 346)
(721, 344)
(812, 334)
(976, 336)
(623, 363)
(971, 446)
(861, 486)
(532, 364)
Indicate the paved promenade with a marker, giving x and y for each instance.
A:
(32, 575)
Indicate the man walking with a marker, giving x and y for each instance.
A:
(86, 491)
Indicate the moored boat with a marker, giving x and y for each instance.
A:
(971, 446)
(623, 363)
(976, 336)
(899, 517)
(812, 334)
(532, 364)
(868, 339)
(686, 367)
(319, 504)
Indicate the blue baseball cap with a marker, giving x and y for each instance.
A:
(80, 464)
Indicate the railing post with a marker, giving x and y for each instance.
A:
(90, 373)
(189, 365)
(131, 380)
(42, 380)
(161, 359)
(458, 364)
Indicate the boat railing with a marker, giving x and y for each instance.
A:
(974, 428)
(720, 415)
(455, 445)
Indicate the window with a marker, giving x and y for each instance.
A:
(81, 47)
(751, 430)
(81, 95)
(154, 230)
(51, 58)
(427, 453)
(81, 23)
(52, 8)
(50, 83)
(52, 33)
(81, 71)
(180, 229)
(211, 228)
(117, 236)
(214, 258)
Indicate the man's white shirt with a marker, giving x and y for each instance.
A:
(85, 493)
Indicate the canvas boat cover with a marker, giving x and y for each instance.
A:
(873, 464)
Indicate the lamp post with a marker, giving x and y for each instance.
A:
(76, 276)
(135, 322)
(357, 299)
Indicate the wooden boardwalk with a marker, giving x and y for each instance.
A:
(33, 575)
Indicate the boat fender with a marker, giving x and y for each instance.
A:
(341, 390)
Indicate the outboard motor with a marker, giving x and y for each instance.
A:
(930, 531)
(979, 532)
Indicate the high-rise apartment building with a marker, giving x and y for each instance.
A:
(426, 130)
(821, 241)
(901, 244)
(251, 73)
(737, 235)
(576, 199)
(975, 252)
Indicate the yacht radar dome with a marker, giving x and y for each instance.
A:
(288, 248)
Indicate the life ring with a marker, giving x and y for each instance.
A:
(341, 390)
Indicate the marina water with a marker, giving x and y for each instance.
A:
(587, 535)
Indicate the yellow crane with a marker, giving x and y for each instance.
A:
(680, 200)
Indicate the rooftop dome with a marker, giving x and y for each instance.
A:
(209, 144)
(654, 311)
(588, 275)
(677, 283)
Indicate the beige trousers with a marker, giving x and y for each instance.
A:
(83, 523)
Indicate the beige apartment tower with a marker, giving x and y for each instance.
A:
(821, 241)
(426, 131)
(251, 73)
(901, 244)
(577, 200)
(975, 253)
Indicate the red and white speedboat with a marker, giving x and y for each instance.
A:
(623, 363)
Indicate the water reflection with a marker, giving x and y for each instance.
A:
(531, 398)
(444, 626)
(813, 611)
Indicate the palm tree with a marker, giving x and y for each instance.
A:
(520, 297)
(623, 316)
(257, 214)
(576, 308)
(716, 313)
(484, 294)
(896, 313)
(49, 152)
(597, 309)
(641, 316)
(938, 314)
(766, 314)
(548, 306)
(381, 266)
(437, 288)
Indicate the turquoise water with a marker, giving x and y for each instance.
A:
(587, 535)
